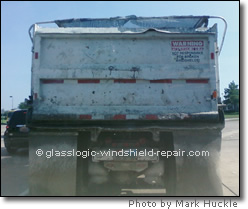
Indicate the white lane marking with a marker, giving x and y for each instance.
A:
(235, 132)
(229, 119)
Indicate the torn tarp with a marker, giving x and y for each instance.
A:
(132, 22)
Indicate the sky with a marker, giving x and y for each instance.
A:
(17, 17)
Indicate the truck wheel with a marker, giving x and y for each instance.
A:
(82, 164)
(221, 116)
(169, 177)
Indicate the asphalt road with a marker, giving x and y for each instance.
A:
(14, 168)
(229, 163)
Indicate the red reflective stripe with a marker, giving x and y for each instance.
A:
(125, 81)
(85, 117)
(212, 56)
(47, 81)
(119, 117)
(89, 81)
(197, 81)
(161, 81)
(151, 117)
(36, 55)
(35, 95)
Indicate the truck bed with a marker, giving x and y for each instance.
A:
(109, 74)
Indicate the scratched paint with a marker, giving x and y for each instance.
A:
(84, 54)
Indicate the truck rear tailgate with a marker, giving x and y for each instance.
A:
(131, 76)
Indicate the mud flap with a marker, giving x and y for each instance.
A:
(198, 175)
(50, 174)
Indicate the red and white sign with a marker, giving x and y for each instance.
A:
(187, 50)
(187, 43)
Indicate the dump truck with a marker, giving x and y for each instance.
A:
(125, 102)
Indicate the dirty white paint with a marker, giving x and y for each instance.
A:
(71, 54)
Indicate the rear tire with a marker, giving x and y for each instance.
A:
(82, 165)
(169, 177)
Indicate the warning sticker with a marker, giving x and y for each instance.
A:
(187, 51)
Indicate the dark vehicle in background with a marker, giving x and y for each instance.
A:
(16, 134)
(10, 113)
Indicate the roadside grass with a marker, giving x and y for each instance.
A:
(3, 122)
(232, 115)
